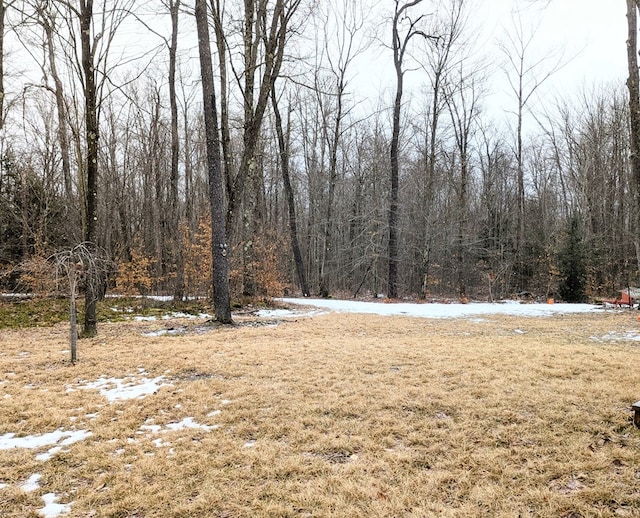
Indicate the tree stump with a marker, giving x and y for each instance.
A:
(636, 413)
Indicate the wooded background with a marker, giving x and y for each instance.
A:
(416, 193)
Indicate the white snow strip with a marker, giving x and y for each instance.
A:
(60, 436)
(32, 484)
(286, 313)
(614, 336)
(445, 310)
(51, 508)
(44, 457)
(187, 422)
(118, 389)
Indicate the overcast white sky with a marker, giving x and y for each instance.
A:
(593, 32)
(590, 34)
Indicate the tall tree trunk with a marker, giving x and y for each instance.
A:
(3, 10)
(177, 262)
(399, 45)
(91, 135)
(395, 167)
(283, 147)
(219, 248)
(633, 84)
(225, 130)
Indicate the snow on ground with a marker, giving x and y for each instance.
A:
(285, 313)
(51, 508)
(59, 437)
(187, 422)
(615, 336)
(119, 389)
(443, 310)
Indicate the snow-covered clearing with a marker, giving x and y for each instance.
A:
(428, 310)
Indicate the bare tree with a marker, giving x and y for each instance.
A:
(633, 85)
(284, 140)
(219, 247)
(525, 77)
(442, 53)
(3, 11)
(341, 26)
(462, 95)
(404, 29)
(79, 266)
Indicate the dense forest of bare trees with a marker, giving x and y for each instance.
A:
(105, 139)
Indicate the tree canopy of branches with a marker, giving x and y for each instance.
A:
(268, 164)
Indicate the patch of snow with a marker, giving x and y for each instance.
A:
(615, 336)
(249, 444)
(187, 422)
(17, 295)
(2, 486)
(214, 413)
(286, 313)
(145, 319)
(44, 457)
(32, 484)
(119, 389)
(160, 298)
(59, 437)
(456, 310)
(51, 508)
(226, 401)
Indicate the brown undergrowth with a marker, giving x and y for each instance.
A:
(335, 415)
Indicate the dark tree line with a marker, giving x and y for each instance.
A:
(284, 175)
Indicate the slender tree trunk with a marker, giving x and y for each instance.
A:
(3, 9)
(73, 318)
(178, 266)
(327, 245)
(225, 131)
(219, 247)
(399, 45)
(91, 135)
(283, 147)
(393, 206)
(633, 85)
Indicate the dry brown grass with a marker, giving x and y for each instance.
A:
(338, 415)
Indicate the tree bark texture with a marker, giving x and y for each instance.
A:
(219, 247)
(633, 85)
(283, 147)
(91, 135)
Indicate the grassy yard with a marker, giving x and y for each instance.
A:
(336, 415)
